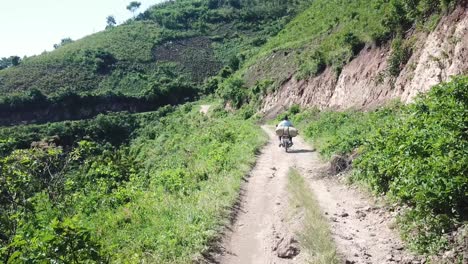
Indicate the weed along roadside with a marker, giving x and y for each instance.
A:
(315, 234)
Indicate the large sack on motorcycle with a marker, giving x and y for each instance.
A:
(286, 131)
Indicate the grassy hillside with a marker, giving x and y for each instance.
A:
(189, 39)
(331, 33)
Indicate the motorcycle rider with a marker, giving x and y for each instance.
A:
(285, 123)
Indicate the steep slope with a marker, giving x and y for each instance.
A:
(364, 82)
(360, 54)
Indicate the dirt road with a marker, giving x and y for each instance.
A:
(265, 224)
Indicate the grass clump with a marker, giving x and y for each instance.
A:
(315, 237)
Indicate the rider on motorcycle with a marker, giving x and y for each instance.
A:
(285, 123)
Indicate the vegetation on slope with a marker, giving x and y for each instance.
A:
(415, 154)
(167, 88)
(153, 187)
(315, 235)
(331, 33)
(189, 38)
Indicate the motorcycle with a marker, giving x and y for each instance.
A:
(286, 143)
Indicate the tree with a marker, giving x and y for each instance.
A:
(9, 62)
(110, 22)
(4, 63)
(133, 6)
(63, 42)
(15, 60)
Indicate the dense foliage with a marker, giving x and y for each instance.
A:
(151, 187)
(415, 154)
(166, 87)
(420, 160)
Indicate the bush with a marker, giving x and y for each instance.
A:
(247, 111)
(234, 91)
(420, 160)
(313, 66)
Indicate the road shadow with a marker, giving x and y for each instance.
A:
(301, 150)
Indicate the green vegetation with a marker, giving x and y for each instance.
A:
(420, 160)
(156, 187)
(415, 154)
(340, 132)
(9, 62)
(329, 33)
(153, 187)
(315, 237)
(167, 88)
(191, 39)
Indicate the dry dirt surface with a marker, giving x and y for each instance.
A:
(264, 230)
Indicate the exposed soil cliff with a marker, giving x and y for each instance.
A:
(364, 82)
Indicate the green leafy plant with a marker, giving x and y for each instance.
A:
(415, 155)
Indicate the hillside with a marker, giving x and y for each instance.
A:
(365, 54)
(160, 58)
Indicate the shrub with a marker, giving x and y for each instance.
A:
(355, 44)
(420, 160)
(401, 53)
(234, 91)
(313, 66)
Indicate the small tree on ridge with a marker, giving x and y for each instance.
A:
(110, 20)
(133, 7)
